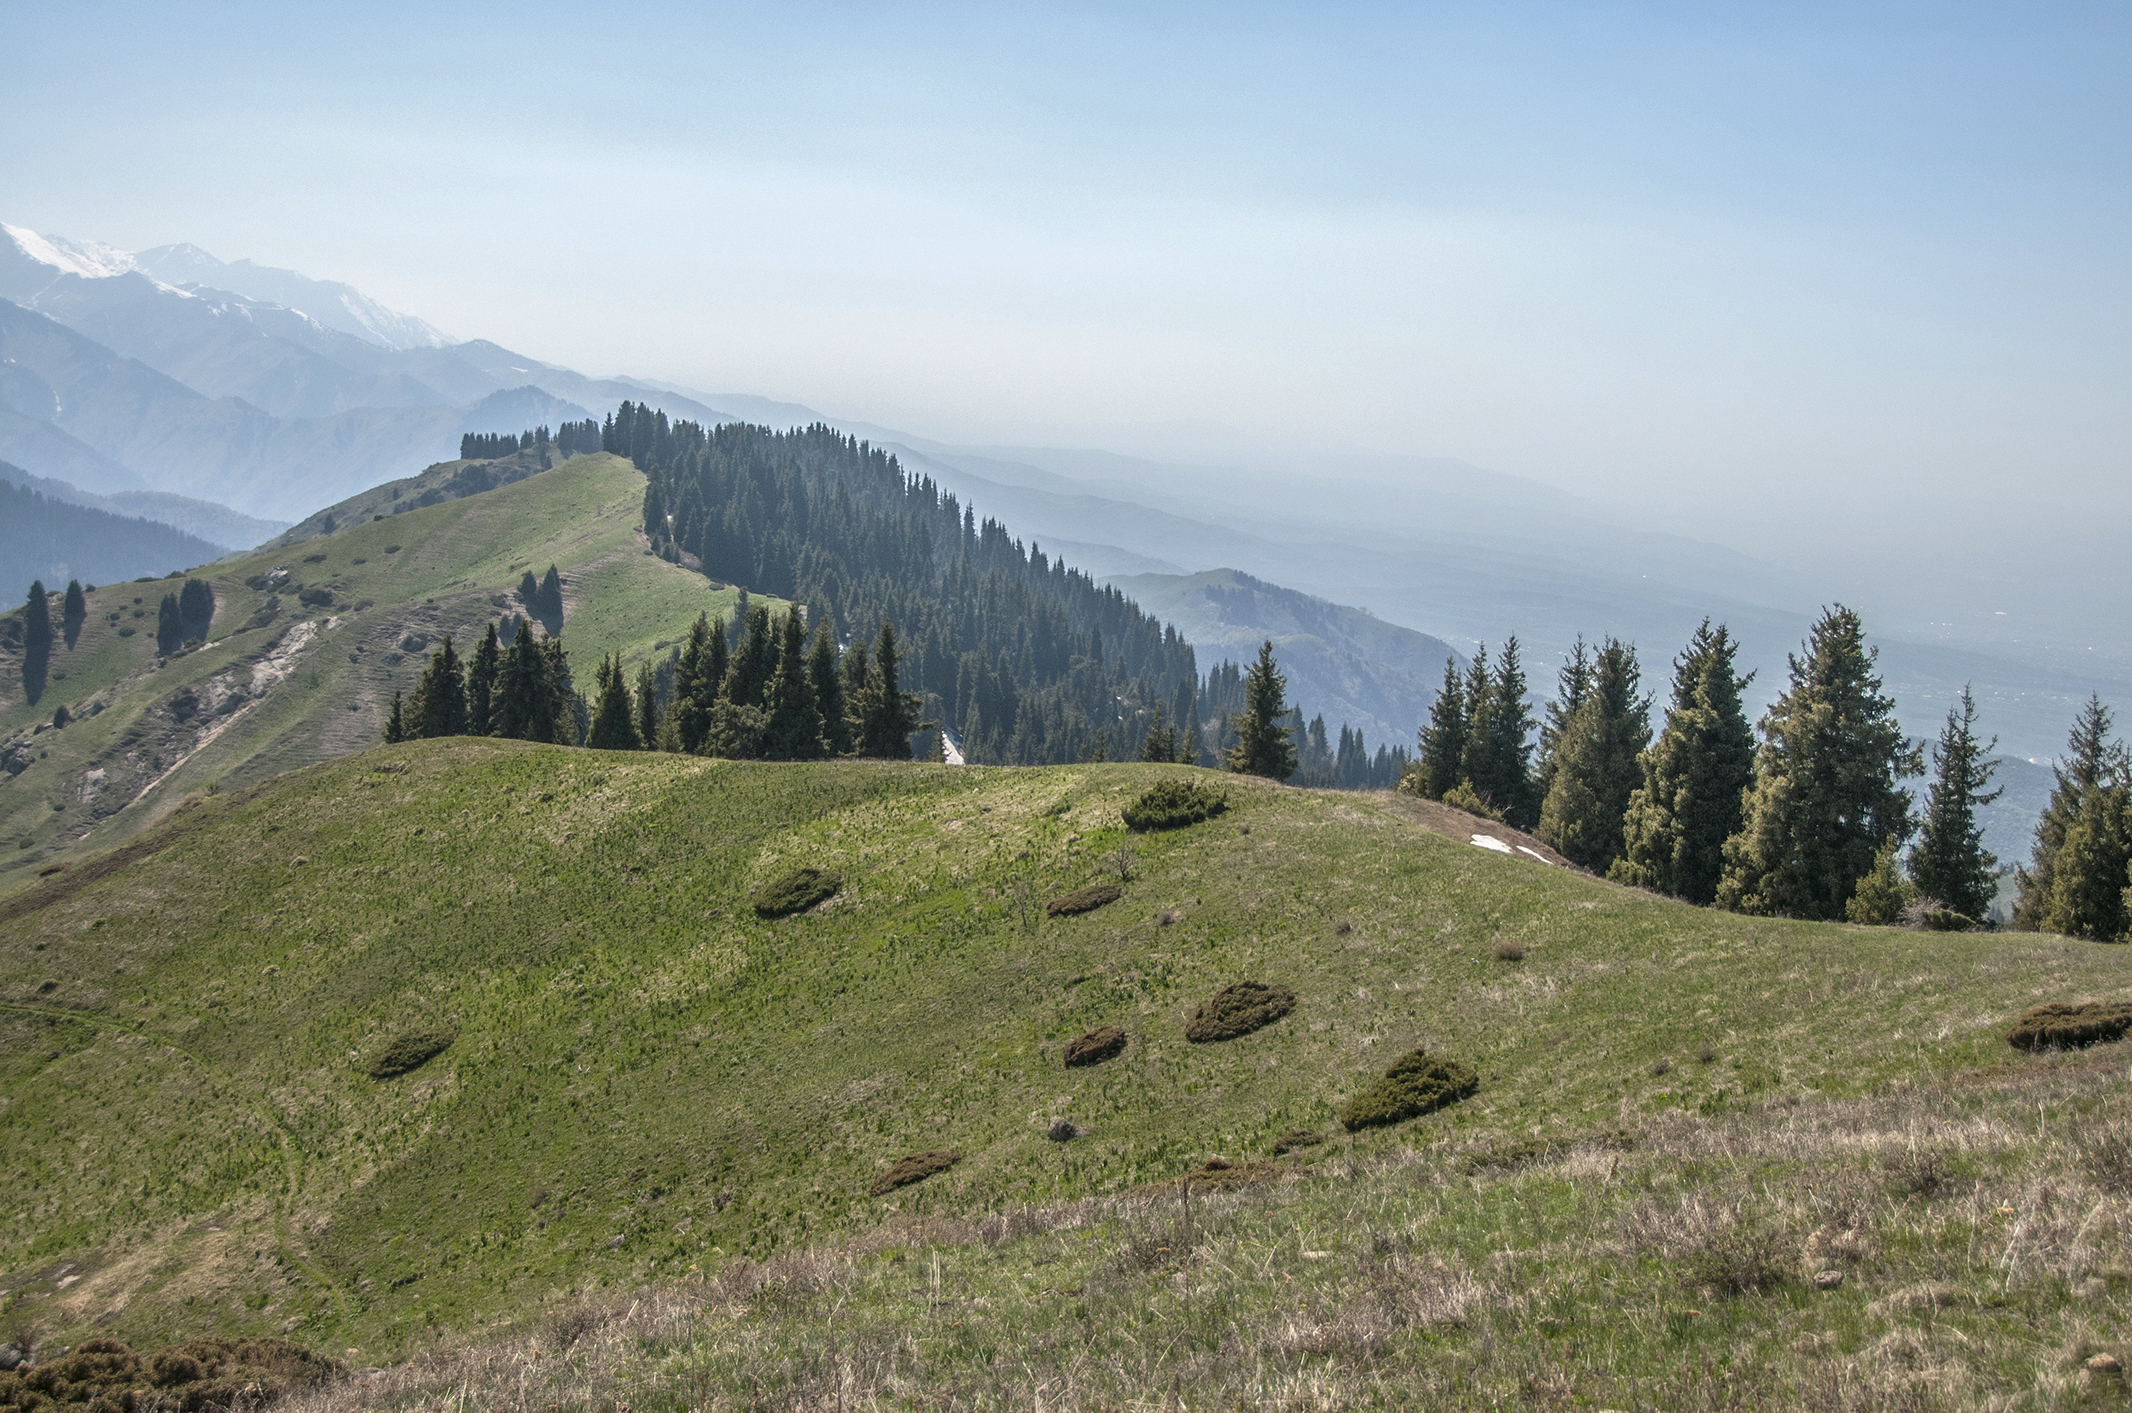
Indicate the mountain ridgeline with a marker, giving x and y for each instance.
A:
(1028, 661)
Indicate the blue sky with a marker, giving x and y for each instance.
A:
(1666, 255)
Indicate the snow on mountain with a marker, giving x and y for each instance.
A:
(86, 258)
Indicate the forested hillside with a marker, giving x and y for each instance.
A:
(1031, 661)
(42, 538)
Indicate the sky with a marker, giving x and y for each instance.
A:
(1845, 285)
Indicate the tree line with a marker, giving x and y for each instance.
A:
(570, 439)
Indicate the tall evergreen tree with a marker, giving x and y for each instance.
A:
(1572, 683)
(2091, 756)
(561, 711)
(481, 684)
(2088, 877)
(526, 703)
(1442, 762)
(699, 676)
(793, 729)
(438, 707)
(614, 716)
(887, 714)
(75, 613)
(829, 697)
(1689, 802)
(1950, 862)
(1262, 746)
(648, 713)
(1498, 757)
(37, 641)
(1827, 795)
(747, 677)
(1594, 758)
(395, 725)
(1160, 742)
(169, 626)
(196, 608)
(551, 600)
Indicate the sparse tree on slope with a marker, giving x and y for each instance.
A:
(438, 707)
(1594, 764)
(196, 608)
(614, 717)
(887, 714)
(1443, 741)
(169, 626)
(1950, 863)
(1827, 796)
(2091, 756)
(1498, 758)
(395, 726)
(1677, 821)
(37, 641)
(1263, 747)
(75, 612)
(793, 730)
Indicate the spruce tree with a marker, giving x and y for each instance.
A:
(1595, 756)
(196, 608)
(169, 626)
(1572, 683)
(698, 678)
(1688, 804)
(2091, 756)
(395, 727)
(747, 677)
(1441, 763)
(75, 612)
(614, 716)
(1883, 895)
(837, 735)
(1262, 746)
(36, 641)
(648, 713)
(438, 707)
(1827, 796)
(793, 728)
(887, 714)
(518, 696)
(551, 599)
(1498, 756)
(481, 684)
(1950, 863)
(1160, 742)
(2088, 877)
(559, 711)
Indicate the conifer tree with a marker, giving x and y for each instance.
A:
(1883, 894)
(551, 598)
(938, 754)
(75, 612)
(1572, 682)
(1442, 761)
(169, 626)
(395, 727)
(2090, 756)
(196, 608)
(614, 716)
(887, 714)
(529, 593)
(519, 696)
(829, 698)
(1262, 746)
(1188, 747)
(747, 677)
(37, 641)
(2089, 874)
(1595, 757)
(1498, 756)
(438, 707)
(698, 678)
(1950, 863)
(793, 728)
(1688, 804)
(1160, 743)
(560, 710)
(1827, 796)
(648, 713)
(481, 684)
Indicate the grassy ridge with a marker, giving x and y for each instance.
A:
(282, 684)
(647, 1078)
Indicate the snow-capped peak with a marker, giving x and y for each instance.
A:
(87, 258)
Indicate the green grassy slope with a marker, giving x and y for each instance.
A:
(648, 1078)
(282, 683)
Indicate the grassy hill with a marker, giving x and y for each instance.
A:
(647, 1082)
(308, 644)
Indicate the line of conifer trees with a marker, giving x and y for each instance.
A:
(1804, 816)
(570, 439)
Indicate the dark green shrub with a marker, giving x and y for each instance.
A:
(1173, 804)
(1296, 1138)
(1238, 1010)
(1083, 900)
(1095, 1047)
(410, 1050)
(796, 892)
(2061, 1026)
(915, 1168)
(1417, 1083)
(197, 1375)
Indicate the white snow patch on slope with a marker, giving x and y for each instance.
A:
(85, 258)
(1490, 843)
